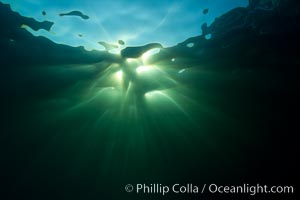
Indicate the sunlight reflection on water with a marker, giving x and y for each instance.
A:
(137, 22)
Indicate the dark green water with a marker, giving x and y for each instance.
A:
(222, 111)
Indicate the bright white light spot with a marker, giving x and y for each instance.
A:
(181, 71)
(142, 69)
(173, 59)
(153, 94)
(130, 60)
(119, 75)
(150, 53)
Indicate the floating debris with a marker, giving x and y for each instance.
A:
(136, 52)
(121, 42)
(44, 13)
(75, 13)
(108, 46)
(205, 11)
